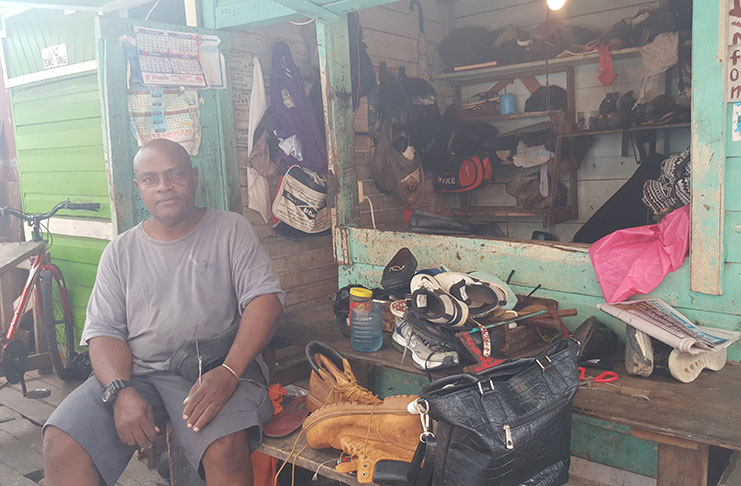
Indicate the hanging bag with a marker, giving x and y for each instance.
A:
(301, 201)
(507, 426)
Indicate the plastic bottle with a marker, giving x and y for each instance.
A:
(366, 327)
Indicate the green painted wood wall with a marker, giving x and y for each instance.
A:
(30, 31)
(60, 155)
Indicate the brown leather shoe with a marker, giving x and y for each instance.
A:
(332, 379)
(368, 433)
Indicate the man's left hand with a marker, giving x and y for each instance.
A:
(206, 399)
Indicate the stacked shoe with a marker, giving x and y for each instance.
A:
(369, 434)
(427, 352)
(332, 380)
(644, 355)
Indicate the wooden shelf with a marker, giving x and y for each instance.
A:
(515, 116)
(642, 128)
(524, 68)
(504, 213)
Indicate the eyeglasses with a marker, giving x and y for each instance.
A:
(149, 179)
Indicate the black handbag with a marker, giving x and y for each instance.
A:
(506, 426)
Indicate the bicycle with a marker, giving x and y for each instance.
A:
(46, 281)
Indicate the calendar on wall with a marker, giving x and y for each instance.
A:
(171, 113)
(169, 58)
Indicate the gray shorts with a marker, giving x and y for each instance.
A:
(83, 416)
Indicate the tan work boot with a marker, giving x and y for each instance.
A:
(332, 380)
(365, 454)
(388, 422)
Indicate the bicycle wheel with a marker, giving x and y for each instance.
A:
(59, 323)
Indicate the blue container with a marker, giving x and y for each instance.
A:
(366, 331)
(507, 104)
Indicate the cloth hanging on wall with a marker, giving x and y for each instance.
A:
(657, 57)
(258, 188)
(292, 112)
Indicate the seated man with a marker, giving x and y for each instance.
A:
(185, 273)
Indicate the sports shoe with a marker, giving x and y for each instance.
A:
(429, 301)
(332, 379)
(426, 355)
(482, 298)
(686, 367)
(639, 352)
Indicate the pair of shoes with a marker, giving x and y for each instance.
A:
(332, 379)
(384, 431)
(449, 298)
(644, 355)
(427, 354)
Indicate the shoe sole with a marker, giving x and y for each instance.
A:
(686, 367)
(420, 363)
(639, 353)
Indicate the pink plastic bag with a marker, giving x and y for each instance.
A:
(635, 260)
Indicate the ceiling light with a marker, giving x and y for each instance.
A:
(555, 4)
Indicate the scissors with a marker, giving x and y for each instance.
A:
(604, 377)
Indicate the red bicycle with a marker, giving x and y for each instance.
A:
(46, 282)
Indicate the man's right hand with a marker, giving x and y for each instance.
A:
(134, 419)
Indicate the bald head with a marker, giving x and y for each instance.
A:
(161, 147)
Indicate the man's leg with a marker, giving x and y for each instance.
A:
(226, 461)
(66, 462)
(81, 434)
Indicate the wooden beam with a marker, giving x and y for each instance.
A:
(310, 9)
(334, 64)
(257, 13)
(115, 120)
(709, 137)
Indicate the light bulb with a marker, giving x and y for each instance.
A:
(555, 4)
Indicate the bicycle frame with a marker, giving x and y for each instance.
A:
(40, 262)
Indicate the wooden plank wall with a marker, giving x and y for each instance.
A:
(390, 32)
(30, 31)
(604, 171)
(306, 267)
(60, 155)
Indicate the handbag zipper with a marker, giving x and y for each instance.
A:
(508, 442)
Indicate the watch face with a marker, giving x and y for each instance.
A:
(108, 394)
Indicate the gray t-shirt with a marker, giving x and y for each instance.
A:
(155, 295)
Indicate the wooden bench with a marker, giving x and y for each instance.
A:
(684, 419)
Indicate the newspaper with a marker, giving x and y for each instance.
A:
(661, 321)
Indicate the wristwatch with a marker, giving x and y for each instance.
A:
(110, 391)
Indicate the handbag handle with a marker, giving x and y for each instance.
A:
(506, 369)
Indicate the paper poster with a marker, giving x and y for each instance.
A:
(169, 58)
(166, 113)
(736, 122)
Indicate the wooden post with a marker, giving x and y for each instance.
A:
(709, 137)
(334, 64)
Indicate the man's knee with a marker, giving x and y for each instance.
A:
(226, 449)
(60, 447)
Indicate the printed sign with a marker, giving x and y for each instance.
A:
(736, 122)
(54, 56)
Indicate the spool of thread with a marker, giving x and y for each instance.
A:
(507, 104)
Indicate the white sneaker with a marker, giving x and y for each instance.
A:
(429, 301)
(425, 355)
(686, 367)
